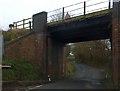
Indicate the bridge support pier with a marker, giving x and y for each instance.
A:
(41, 34)
(116, 42)
(55, 58)
(49, 54)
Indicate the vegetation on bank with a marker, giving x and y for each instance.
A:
(68, 63)
(69, 71)
(94, 53)
(20, 71)
(12, 34)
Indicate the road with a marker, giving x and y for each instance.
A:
(85, 77)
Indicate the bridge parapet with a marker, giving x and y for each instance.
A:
(59, 15)
(78, 9)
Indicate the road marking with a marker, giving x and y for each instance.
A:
(34, 87)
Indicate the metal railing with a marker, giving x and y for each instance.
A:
(78, 9)
(22, 24)
(81, 8)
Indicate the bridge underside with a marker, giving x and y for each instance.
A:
(94, 28)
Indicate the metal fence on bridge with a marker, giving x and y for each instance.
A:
(24, 24)
(78, 9)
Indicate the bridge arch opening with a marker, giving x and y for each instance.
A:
(87, 60)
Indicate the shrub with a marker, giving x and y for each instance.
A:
(69, 70)
(13, 34)
(20, 70)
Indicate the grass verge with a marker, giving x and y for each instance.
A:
(20, 71)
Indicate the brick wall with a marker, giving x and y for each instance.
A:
(116, 42)
(18, 49)
(29, 47)
(116, 53)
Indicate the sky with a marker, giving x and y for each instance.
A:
(14, 10)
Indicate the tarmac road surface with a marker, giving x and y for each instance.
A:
(85, 77)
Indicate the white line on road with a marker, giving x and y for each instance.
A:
(33, 88)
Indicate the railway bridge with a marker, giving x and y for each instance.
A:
(46, 41)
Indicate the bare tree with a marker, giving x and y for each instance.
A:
(56, 16)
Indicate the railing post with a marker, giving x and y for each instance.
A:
(30, 25)
(109, 4)
(13, 24)
(23, 23)
(16, 25)
(84, 7)
(1, 56)
(63, 13)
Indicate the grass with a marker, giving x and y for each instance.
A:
(13, 34)
(20, 71)
(69, 70)
(69, 65)
(108, 72)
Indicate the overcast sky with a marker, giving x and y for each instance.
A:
(14, 10)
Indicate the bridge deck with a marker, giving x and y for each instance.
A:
(82, 29)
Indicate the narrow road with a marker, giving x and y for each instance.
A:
(85, 77)
(88, 73)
